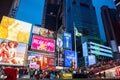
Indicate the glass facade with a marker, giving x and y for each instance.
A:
(82, 13)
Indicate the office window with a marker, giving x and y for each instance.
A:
(84, 5)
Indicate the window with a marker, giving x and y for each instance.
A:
(84, 5)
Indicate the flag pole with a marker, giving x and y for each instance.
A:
(74, 36)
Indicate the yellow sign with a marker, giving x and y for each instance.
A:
(67, 76)
(15, 30)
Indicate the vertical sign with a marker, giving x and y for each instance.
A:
(67, 40)
(85, 49)
(91, 59)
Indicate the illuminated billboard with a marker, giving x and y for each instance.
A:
(67, 40)
(43, 32)
(91, 59)
(12, 52)
(41, 61)
(15, 30)
(43, 44)
(69, 57)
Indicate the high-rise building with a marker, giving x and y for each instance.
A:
(117, 3)
(5, 7)
(81, 14)
(111, 23)
(50, 14)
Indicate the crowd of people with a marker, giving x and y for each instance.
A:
(97, 70)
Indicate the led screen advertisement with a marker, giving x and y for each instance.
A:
(67, 40)
(91, 59)
(42, 61)
(60, 50)
(43, 32)
(15, 30)
(43, 44)
(69, 57)
(12, 52)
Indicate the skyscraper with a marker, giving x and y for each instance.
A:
(82, 14)
(5, 7)
(111, 23)
(50, 14)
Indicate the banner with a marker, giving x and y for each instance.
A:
(70, 58)
(12, 52)
(60, 52)
(67, 40)
(42, 61)
(15, 30)
(43, 44)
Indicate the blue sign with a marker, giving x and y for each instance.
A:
(69, 57)
(85, 49)
(67, 40)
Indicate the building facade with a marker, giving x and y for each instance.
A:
(50, 14)
(81, 14)
(111, 23)
(5, 7)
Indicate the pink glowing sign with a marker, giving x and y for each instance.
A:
(43, 44)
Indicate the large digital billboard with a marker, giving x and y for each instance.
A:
(43, 44)
(12, 52)
(15, 30)
(67, 40)
(41, 60)
(69, 57)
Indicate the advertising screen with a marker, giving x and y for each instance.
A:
(43, 32)
(15, 30)
(36, 30)
(44, 44)
(40, 61)
(91, 59)
(60, 51)
(67, 40)
(51, 34)
(70, 56)
(85, 49)
(12, 52)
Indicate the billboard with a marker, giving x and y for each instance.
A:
(91, 59)
(41, 61)
(12, 52)
(69, 57)
(15, 30)
(43, 32)
(60, 52)
(67, 40)
(85, 49)
(43, 44)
